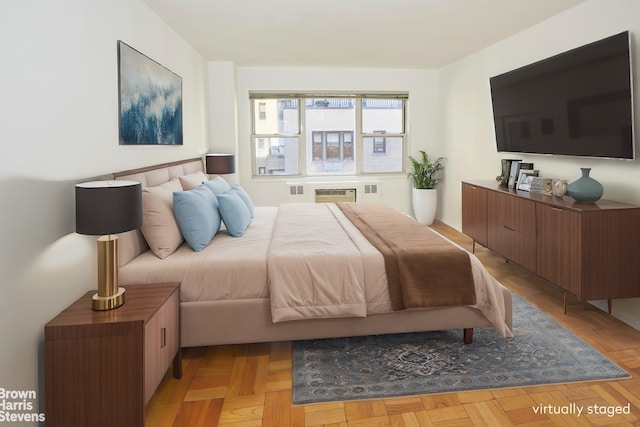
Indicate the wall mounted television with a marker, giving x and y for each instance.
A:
(577, 103)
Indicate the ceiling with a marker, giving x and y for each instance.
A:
(349, 33)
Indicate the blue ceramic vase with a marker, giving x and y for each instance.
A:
(585, 189)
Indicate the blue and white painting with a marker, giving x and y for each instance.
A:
(150, 100)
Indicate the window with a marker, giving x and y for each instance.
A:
(276, 137)
(328, 134)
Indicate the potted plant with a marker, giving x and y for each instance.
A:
(425, 177)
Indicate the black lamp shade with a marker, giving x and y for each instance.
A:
(108, 207)
(219, 164)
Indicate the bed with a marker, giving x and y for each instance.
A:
(226, 286)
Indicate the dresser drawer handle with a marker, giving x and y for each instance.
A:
(163, 337)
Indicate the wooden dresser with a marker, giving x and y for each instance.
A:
(591, 251)
(102, 367)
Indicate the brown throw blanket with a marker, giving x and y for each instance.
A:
(423, 269)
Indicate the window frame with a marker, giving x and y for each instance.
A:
(358, 134)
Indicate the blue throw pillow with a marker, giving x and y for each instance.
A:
(197, 215)
(217, 185)
(245, 197)
(234, 212)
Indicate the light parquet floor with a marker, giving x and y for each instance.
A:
(250, 385)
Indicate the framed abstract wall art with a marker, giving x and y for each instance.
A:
(150, 100)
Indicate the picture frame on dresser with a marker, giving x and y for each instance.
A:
(526, 178)
(514, 173)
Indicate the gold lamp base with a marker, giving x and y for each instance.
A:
(109, 295)
(108, 303)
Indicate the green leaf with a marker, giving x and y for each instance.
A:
(424, 173)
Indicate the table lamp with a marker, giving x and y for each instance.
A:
(106, 208)
(220, 164)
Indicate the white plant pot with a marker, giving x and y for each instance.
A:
(425, 203)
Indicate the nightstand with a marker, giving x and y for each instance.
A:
(102, 367)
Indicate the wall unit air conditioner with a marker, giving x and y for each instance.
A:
(335, 195)
(358, 191)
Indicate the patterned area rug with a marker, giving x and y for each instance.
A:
(380, 366)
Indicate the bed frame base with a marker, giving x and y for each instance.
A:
(467, 335)
(206, 323)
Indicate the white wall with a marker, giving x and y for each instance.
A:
(59, 125)
(223, 111)
(467, 135)
(421, 85)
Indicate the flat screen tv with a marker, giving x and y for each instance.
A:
(577, 103)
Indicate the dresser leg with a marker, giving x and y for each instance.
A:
(609, 305)
(564, 302)
(473, 246)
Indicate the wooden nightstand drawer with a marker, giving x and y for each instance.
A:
(102, 367)
(161, 343)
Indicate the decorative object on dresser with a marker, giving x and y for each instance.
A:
(525, 178)
(101, 368)
(560, 187)
(220, 164)
(589, 250)
(425, 177)
(505, 174)
(513, 173)
(585, 189)
(107, 208)
(537, 185)
(547, 186)
(517, 168)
